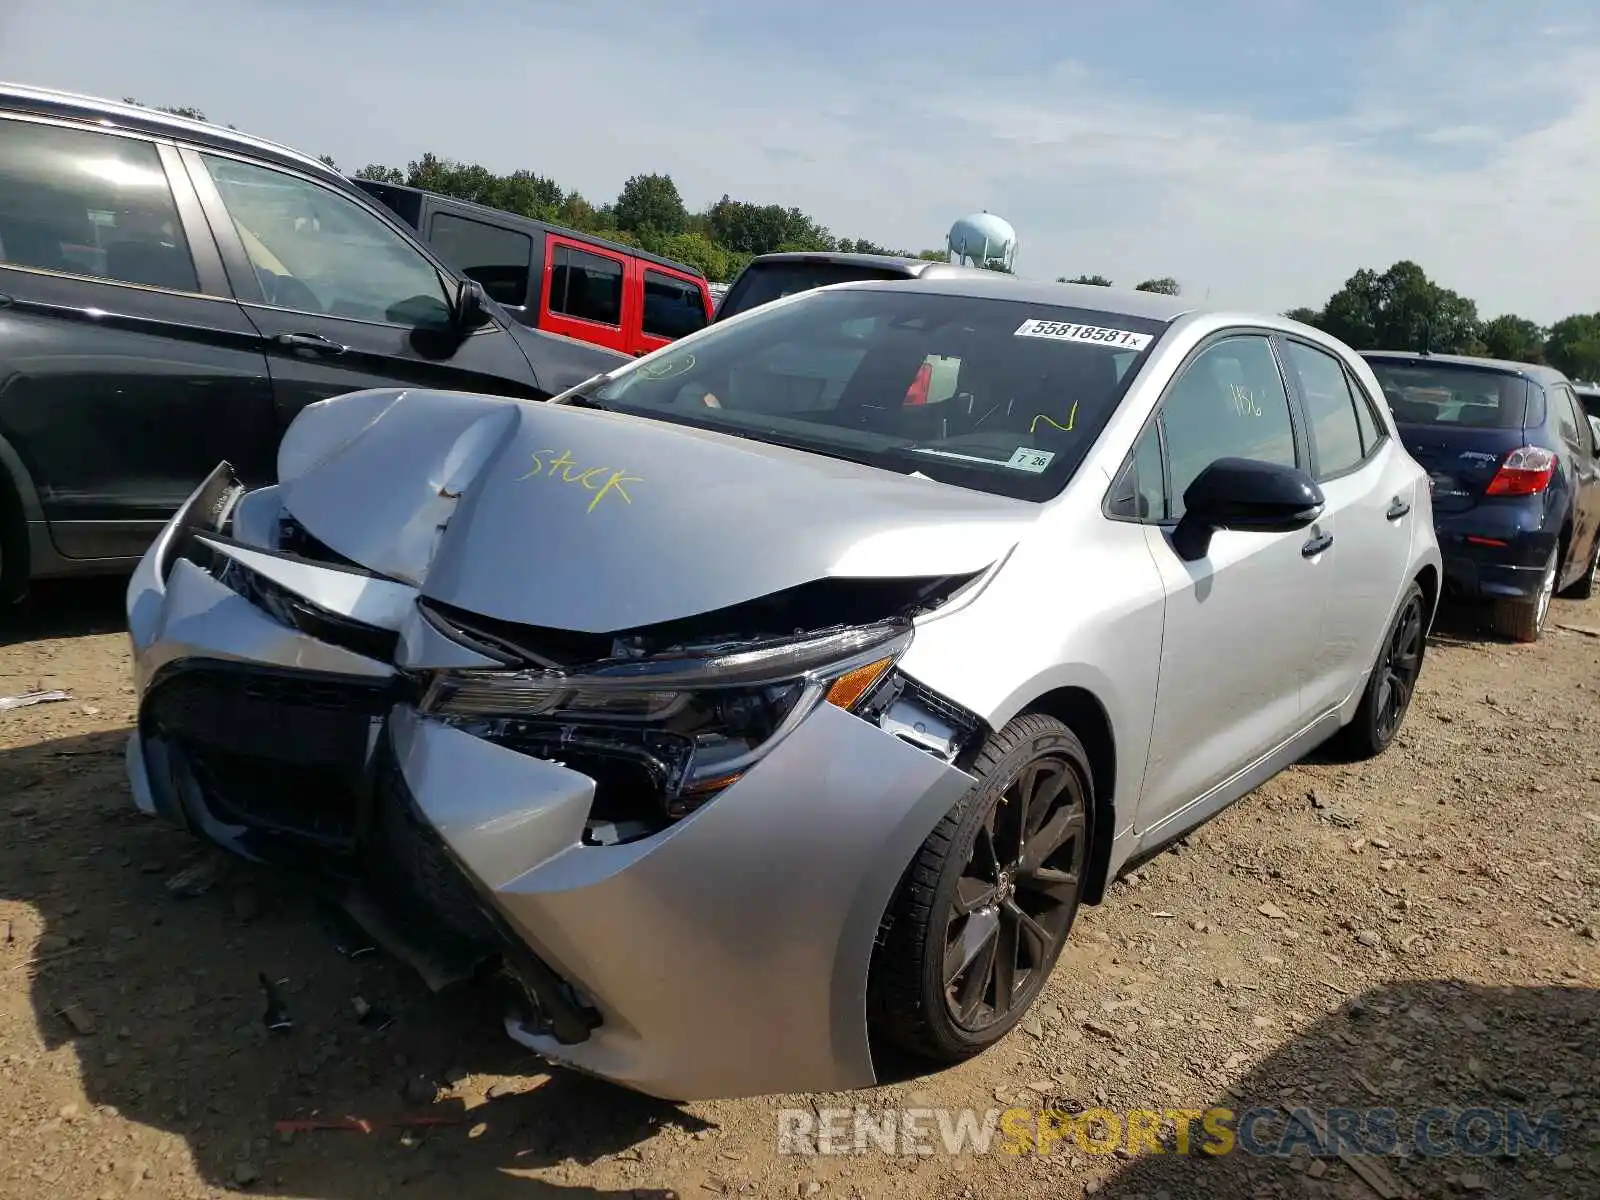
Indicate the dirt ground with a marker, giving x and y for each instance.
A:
(1414, 933)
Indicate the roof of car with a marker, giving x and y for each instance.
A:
(501, 215)
(979, 284)
(911, 266)
(1587, 389)
(1527, 370)
(71, 105)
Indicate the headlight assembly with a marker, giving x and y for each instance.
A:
(691, 722)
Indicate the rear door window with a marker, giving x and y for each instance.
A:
(586, 285)
(496, 257)
(87, 203)
(1573, 424)
(673, 307)
(1330, 409)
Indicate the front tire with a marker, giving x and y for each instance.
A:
(1393, 680)
(983, 911)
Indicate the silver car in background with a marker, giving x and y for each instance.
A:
(750, 710)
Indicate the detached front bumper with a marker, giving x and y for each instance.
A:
(726, 955)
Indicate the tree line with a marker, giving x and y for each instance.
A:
(648, 213)
(1400, 308)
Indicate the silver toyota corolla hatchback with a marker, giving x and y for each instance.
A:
(778, 698)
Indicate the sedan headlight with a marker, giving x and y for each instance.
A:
(690, 723)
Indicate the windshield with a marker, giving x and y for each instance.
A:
(762, 283)
(996, 395)
(1424, 393)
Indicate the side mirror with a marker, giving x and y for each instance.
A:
(1246, 495)
(472, 306)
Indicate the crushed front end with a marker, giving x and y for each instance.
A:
(676, 842)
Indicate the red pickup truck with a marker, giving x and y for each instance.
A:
(556, 279)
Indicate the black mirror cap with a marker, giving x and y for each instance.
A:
(472, 306)
(1246, 495)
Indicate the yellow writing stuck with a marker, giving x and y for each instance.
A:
(1067, 428)
(602, 481)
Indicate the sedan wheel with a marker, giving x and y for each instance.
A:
(1523, 620)
(982, 914)
(1393, 680)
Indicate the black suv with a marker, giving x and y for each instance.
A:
(172, 293)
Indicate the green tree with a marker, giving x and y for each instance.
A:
(1573, 347)
(1513, 337)
(749, 228)
(1091, 280)
(1396, 309)
(1165, 286)
(379, 173)
(327, 160)
(650, 202)
(1306, 316)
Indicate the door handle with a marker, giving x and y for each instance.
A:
(1397, 509)
(1318, 543)
(310, 341)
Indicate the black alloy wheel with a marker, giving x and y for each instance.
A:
(984, 909)
(1015, 897)
(1399, 669)
(1393, 681)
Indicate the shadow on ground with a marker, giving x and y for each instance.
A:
(64, 608)
(1475, 1078)
(161, 997)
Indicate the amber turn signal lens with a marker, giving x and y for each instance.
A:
(848, 689)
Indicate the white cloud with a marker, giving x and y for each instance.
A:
(1477, 163)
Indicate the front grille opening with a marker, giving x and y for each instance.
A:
(270, 796)
(276, 752)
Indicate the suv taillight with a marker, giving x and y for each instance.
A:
(1526, 471)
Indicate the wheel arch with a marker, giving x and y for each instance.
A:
(19, 509)
(1082, 711)
(1428, 579)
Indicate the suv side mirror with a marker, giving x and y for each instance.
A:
(472, 307)
(1245, 495)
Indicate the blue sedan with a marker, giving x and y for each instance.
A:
(1516, 489)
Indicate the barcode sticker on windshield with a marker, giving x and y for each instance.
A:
(1095, 335)
(1032, 461)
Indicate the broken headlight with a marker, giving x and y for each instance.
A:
(680, 725)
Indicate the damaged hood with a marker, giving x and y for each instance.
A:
(571, 518)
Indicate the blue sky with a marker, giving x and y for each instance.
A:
(1258, 150)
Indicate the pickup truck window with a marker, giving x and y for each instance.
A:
(587, 286)
(672, 307)
(497, 258)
